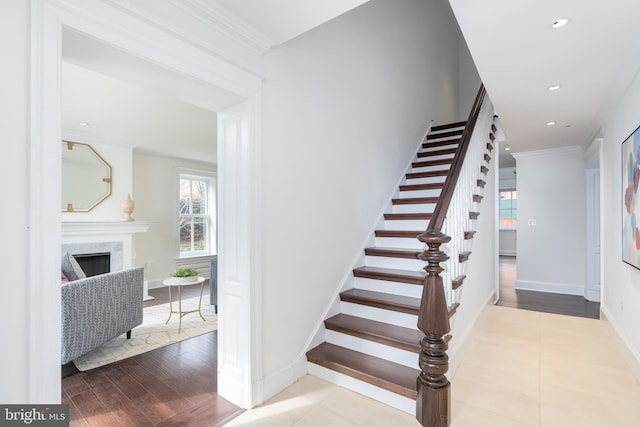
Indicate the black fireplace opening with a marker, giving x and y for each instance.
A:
(94, 264)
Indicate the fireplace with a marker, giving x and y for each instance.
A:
(95, 263)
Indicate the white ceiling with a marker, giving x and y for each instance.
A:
(519, 55)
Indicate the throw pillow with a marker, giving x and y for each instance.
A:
(63, 278)
(71, 268)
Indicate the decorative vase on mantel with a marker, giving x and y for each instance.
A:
(127, 207)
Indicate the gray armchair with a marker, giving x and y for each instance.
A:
(97, 309)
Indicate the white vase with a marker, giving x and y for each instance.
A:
(127, 207)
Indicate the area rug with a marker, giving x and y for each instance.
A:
(153, 333)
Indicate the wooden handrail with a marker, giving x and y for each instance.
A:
(440, 211)
(433, 403)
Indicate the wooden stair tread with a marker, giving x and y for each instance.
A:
(385, 301)
(474, 215)
(390, 274)
(415, 201)
(399, 303)
(412, 234)
(464, 256)
(468, 235)
(390, 376)
(372, 330)
(427, 174)
(481, 183)
(458, 281)
(416, 187)
(407, 216)
(393, 252)
(427, 163)
(439, 135)
(442, 143)
(448, 126)
(434, 153)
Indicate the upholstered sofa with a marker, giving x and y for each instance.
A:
(97, 309)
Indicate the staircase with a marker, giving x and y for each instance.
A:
(372, 344)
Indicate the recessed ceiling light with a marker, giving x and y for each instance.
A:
(84, 124)
(554, 87)
(507, 147)
(559, 23)
(551, 123)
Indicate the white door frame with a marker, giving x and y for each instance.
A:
(118, 28)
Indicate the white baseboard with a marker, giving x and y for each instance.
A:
(504, 252)
(631, 356)
(275, 382)
(555, 288)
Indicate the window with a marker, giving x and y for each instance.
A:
(196, 214)
(508, 208)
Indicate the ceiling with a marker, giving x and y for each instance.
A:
(516, 51)
(519, 55)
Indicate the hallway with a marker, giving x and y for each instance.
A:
(570, 305)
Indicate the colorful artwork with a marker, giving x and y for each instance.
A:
(631, 200)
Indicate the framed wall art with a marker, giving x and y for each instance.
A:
(631, 199)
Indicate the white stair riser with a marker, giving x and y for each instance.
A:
(398, 242)
(380, 315)
(414, 208)
(438, 157)
(397, 263)
(372, 348)
(376, 393)
(409, 224)
(396, 288)
(427, 180)
(408, 194)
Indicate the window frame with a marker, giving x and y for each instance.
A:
(211, 221)
(514, 211)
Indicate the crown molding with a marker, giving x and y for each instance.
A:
(222, 20)
(550, 152)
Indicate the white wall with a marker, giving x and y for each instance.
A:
(621, 282)
(344, 108)
(551, 254)
(468, 80)
(155, 185)
(14, 173)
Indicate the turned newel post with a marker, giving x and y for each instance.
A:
(433, 402)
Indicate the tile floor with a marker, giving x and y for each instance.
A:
(520, 368)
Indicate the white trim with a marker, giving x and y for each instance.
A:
(277, 381)
(624, 343)
(555, 288)
(116, 27)
(571, 150)
(224, 21)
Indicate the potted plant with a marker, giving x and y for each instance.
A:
(185, 275)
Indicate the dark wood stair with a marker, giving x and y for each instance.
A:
(427, 174)
(380, 332)
(434, 153)
(417, 187)
(373, 370)
(443, 143)
(390, 274)
(393, 252)
(399, 303)
(439, 135)
(415, 201)
(427, 163)
(407, 216)
(438, 128)
(412, 234)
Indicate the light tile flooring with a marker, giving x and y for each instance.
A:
(520, 368)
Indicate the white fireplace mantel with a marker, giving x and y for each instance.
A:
(97, 228)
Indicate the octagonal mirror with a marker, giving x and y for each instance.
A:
(86, 177)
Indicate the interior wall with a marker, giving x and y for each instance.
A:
(14, 110)
(468, 80)
(155, 190)
(120, 160)
(552, 253)
(344, 109)
(621, 282)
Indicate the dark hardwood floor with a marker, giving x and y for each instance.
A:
(175, 385)
(570, 305)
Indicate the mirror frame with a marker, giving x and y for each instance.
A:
(107, 179)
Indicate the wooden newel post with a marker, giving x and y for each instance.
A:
(433, 402)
